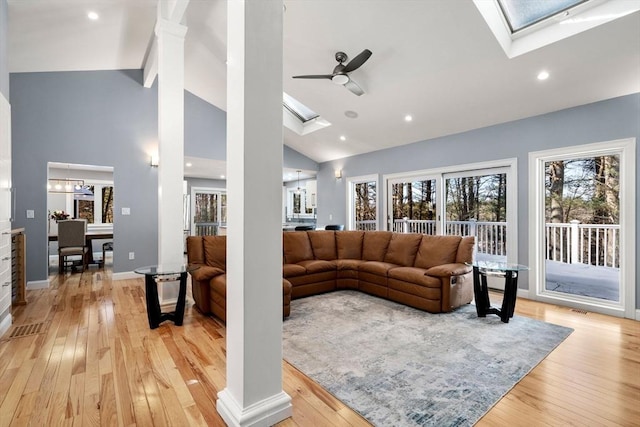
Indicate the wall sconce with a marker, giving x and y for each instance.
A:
(338, 173)
(154, 160)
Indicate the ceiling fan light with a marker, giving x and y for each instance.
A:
(340, 79)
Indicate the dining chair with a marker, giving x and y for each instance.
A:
(72, 242)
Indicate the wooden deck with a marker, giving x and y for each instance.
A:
(96, 362)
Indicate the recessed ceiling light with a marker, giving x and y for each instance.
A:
(343, 138)
(93, 16)
(351, 114)
(408, 118)
(222, 176)
(188, 164)
(543, 75)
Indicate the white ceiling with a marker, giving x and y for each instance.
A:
(436, 60)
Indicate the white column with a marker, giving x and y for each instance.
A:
(170, 41)
(254, 396)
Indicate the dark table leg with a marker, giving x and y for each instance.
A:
(481, 292)
(182, 296)
(510, 293)
(153, 305)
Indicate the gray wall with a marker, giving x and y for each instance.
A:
(101, 118)
(4, 34)
(602, 121)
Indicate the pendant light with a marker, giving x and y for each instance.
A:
(298, 189)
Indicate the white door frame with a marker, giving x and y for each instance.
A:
(626, 149)
(351, 182)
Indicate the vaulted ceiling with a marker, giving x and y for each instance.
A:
(436, 60)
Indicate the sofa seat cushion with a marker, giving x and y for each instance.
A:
(414, 275)
(376, 267)
(318, 266)
(348, 264)
(206, 273)
(293, 270)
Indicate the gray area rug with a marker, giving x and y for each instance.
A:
(398, 366)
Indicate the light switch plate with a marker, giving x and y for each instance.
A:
(31, 213)
(126, 211)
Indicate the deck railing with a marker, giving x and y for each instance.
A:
(575, 243)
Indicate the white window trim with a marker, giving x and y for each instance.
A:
(209, 190)
(626, 148)
(351, 182)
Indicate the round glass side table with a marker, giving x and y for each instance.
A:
(481, 269)
(163, 273)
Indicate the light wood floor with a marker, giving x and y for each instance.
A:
(98, 363)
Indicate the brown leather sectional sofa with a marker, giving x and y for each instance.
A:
(421, 271)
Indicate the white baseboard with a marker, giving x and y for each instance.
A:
(261, 414)
(126, 275)
(38, 284)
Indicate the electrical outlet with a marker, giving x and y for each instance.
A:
(132, 255)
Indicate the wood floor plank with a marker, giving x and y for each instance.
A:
(97, 363)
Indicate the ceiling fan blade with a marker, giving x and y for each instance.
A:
(357, 62)
(315, 76)
(353, 87)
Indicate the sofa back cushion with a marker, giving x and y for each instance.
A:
(296, 247)
(195, 250)
(465, 249)
(403, 248)
(215, 251)
(323, 244)
(349, 244)
(437, 250)
(374, 245)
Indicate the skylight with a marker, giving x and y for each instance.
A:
(521, 14)
(521, 26)
(300, 118)
(298, 109)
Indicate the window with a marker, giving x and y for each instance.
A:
(521, 14)
(298, 204)
(362, 203)
(298, 109)
(413, 205)
(94, 203)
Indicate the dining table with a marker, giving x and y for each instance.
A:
(90, 235)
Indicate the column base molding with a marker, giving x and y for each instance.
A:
(261, 414)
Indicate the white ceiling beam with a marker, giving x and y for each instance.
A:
(172, 11)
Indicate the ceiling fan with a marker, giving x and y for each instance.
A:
(340, 75)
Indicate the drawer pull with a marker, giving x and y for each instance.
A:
(6, 284)
(6, 258)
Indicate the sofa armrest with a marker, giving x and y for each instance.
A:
(445, 270)
(205, 273)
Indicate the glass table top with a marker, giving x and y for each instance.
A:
(498, 266)
(165, 269)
